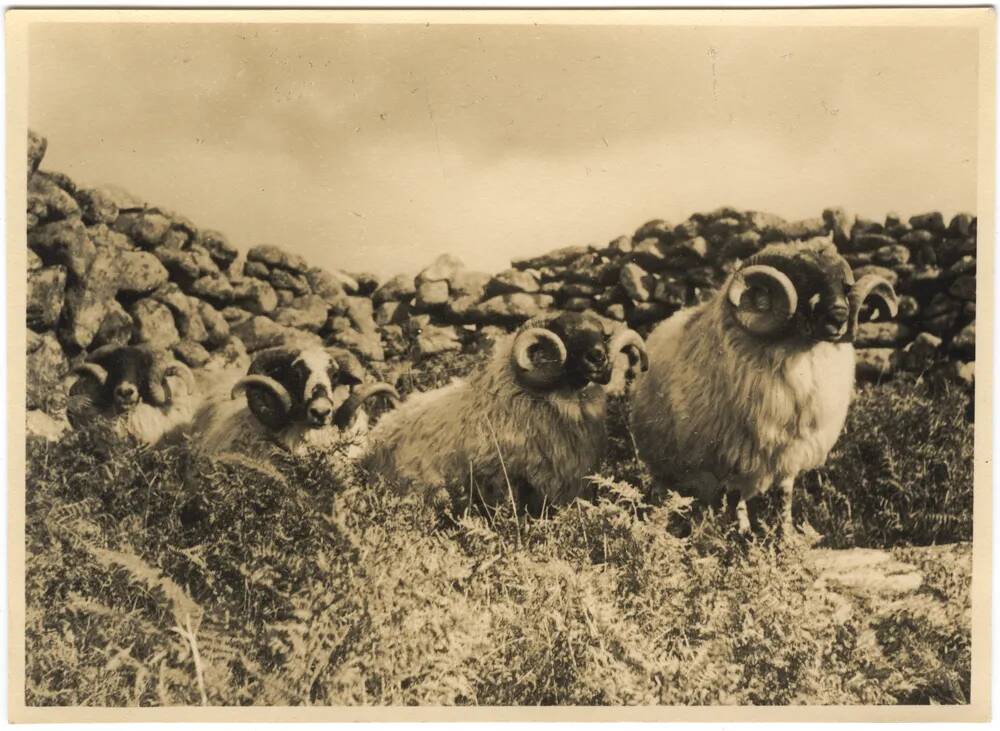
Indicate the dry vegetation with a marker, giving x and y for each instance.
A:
(157, 579)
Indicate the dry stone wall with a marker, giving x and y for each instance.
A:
(107, 267)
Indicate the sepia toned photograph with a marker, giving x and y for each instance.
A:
(495, 364)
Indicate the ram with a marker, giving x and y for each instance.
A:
(529, 426)
(752, 387)
(297, 399)
(144, 392)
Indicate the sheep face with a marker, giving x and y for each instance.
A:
(314, 388)
(805, 293)
(571, 350)
(119, 378)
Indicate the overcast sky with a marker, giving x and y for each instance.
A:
(378, 147)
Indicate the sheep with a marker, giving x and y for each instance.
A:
(528, 427)
(135, 387)
(752, 387)
(296, 399)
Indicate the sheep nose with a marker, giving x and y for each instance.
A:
(837, 315)
(126, 392)
(320, 413)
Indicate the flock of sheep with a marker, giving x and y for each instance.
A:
(728, 398)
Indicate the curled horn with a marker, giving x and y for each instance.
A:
(879, 292)
(345, 414)
(268, 358)
(541, 376)
(160, 368)
(93, 371)
(776, 304)
(277, 392)
(631, 343)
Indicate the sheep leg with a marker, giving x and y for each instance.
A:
(787, 485)
(736, 509)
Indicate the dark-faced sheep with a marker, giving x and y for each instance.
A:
(752, 387)
(297, 399)
(529, 426)
(144, 392)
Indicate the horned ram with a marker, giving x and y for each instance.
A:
(528, 427)
(752, 387)
(143, 392)
(296, 399)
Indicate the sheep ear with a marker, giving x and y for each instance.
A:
(764, 298)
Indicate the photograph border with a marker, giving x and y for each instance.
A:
(983, 18)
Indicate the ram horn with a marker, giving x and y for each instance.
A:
(92, 370)
(279, 392)
(99, 354)
(347, 410)
(268, 358)
(631, 343)
(881, 294)
(775, 305)
(541, 376)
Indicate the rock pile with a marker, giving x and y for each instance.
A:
(105, 266)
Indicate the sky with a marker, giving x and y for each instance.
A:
(378, 147)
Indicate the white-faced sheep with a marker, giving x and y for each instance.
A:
(752, 387)
(529, 426)
(144, 392)
(297, 399)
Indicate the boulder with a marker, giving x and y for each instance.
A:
(649, 254)
(398, 289)
(431, 294)
(466, 283)
(88, 301)
(191, 353)
(179, 264)
(40, 425)
(104, 237)
(217, 290)
(892, 256)
(272, 256)
(962, 225)
(205, 263)
(139, 273)
(46, 291)
(512, 280)
(258, 332)
(97, 206)
(307, 313)
(285, 297)
(235, 315)
(508, 309)
(47, 365)
(881, 334)
(48, 202)
(556, 258)
(154, 324)
(391, 313)
(578, 304)
(620, 246)
(367, 283)
(920, 354)
(256, 269)
(65, 243)
(433, 340)
(441, 269)
(964, 342)
(218, 247)
(115, 328)
(656, 229)
(366, 345)
(36, 151)
(964, 288)
(875, 363)
(146, 229)
(216, 326)
(332, 283)
(284, 279)
(256, 296)
(872, 241)
(932, 221)
(636, 282)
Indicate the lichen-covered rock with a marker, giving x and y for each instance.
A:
(512, 280)
(88, 301)
(34, 261)
(47, 366)
(284, 279)
(191, 353)
(510, 308)
(964, 342)
(115, 328)
(557, 258)
(258, 332)
(48, 202)
(146, 229)
(872, 241)
(397, 289)
(180, 264)
(962, 225)
(218, 247)
(637, 282)
(66, 243)
(964, 288)
(892, 256)
(139, 273)
(97, 206)
(366, 345)
(469, 283)
(933, 221)
(256, 296)
(46, 291)
(307, 313)
(154, 324)
(656, 228)
(431, 294)
(219, 291)
(216, 326)
(36, 151)
(272, 256)
(256, 269)
(433, 340)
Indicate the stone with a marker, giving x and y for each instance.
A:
(961, 225)
(468, 283)
(672, 292)
(648, 254)
(647, 312)
(512, 280)
(256, 269)
(327, 283)
(391, 313)
(801, 230)
(48, 202)
(933, 221)
(721, 229)
(216, 326)
(139, 273)
(964, 288)
(433, 340)
(578, 304)
(510, 308)
(657, 229)
(965, 265)
(65, 243)
(115, 328)
(124, 200)
(97, 206)
(256, 296)
(218, 247)
(105, 237)
(921, 353)
(458, 309)
(258, 332)
(741, 245)
(284, 279)
(909, 307)
(964, 342)
(45, 295)
(366, 345)
(917, 238)
(36, 151)
(34, 261)
(235, 315)
(881, 334)
(398, 289)
(88, 301)
(684, 254)
(441, 269)
(232, 355)
(575, 289)
(216, 290)
(146, 229)
(47, 365)
(556, 258)
(205, 263)
(39, 425)
(686, 230)
(191, 353)
(875, 363)
(179, 264)
(839, 224)
(307, 313)
(285, 297)
(431, 294)
(154, 324)
(616, 312)
(621, 245)
(636, 282)
(872, 241)
(272, 256)
(891, 256)
(964, 373)
(367, 283)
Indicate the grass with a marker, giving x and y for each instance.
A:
(154, 578)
